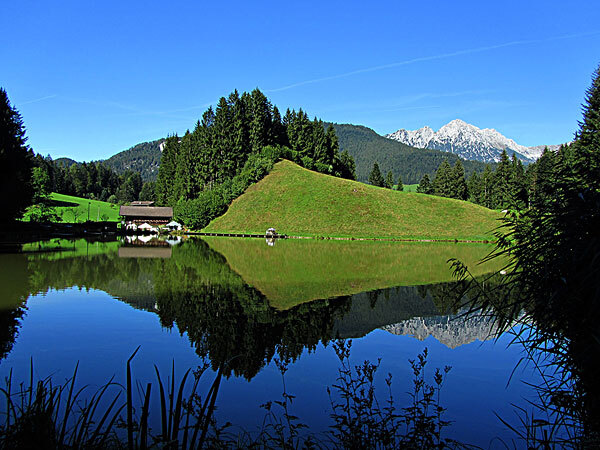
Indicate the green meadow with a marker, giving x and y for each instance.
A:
(294, 271)
(297, 201)
(75, 209)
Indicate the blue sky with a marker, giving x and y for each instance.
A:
(92, 78)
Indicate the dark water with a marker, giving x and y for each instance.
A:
(96, 302)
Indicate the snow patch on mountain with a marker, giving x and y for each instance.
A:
(467, 141)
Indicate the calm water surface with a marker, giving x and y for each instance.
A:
(239, 303)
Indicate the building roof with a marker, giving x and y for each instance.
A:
(142, 203)
(146, 211)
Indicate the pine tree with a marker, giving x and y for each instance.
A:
(375, 178)
(332, 145)
(487, 188)
(278, 134)
(425, 186)
(319, 150)
(518, 184)
(164, 188)
(502, 177)
(443, 183)
(346, 166)
(543, 179)
(587, 140)
(474, 189)
(400, 186)
(459, 185)
(389, 180)
(16, 162)
(260, 126)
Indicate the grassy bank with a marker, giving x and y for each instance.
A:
(297, 201)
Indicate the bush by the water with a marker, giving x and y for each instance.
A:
(209, 204)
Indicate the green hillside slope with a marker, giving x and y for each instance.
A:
(297, 201)
(367, 147)
(72, 209)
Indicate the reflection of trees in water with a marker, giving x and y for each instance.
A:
(10, 320)
(222, 323)
(14, 290)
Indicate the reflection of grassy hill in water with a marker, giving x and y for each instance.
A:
(298, 201)
(295, 271)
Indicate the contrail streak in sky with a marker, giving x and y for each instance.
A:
(47, 97)
(432, 58)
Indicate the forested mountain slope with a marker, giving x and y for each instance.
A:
(143, 158)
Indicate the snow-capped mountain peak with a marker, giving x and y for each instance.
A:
(466, 140)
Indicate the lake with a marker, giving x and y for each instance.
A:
(240, 304)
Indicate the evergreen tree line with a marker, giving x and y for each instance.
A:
(94, 180)
(242, 125)
(509, 186)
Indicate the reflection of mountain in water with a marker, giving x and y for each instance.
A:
(452, 331)
(375, 309)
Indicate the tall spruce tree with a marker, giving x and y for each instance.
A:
(389, 180)
(459, 185)
(164, 188)
(475, 189)
(332, 147)
(443, 183)
(400, 186)
(347, 166)
(425, 186)
(16, 162)
(488, 188)
(518, 184)
(587, 140)
(502, 187)
(260, 126)
(375, 177)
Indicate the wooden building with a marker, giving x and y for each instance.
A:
(134, 215)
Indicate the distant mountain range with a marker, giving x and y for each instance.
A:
(468, 142)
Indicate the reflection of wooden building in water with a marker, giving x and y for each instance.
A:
(135, 215)
(144, 247)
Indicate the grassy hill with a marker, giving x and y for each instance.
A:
(368, 147)
(297, 201)
(75, 209)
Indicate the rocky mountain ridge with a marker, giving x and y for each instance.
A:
(467, 141)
